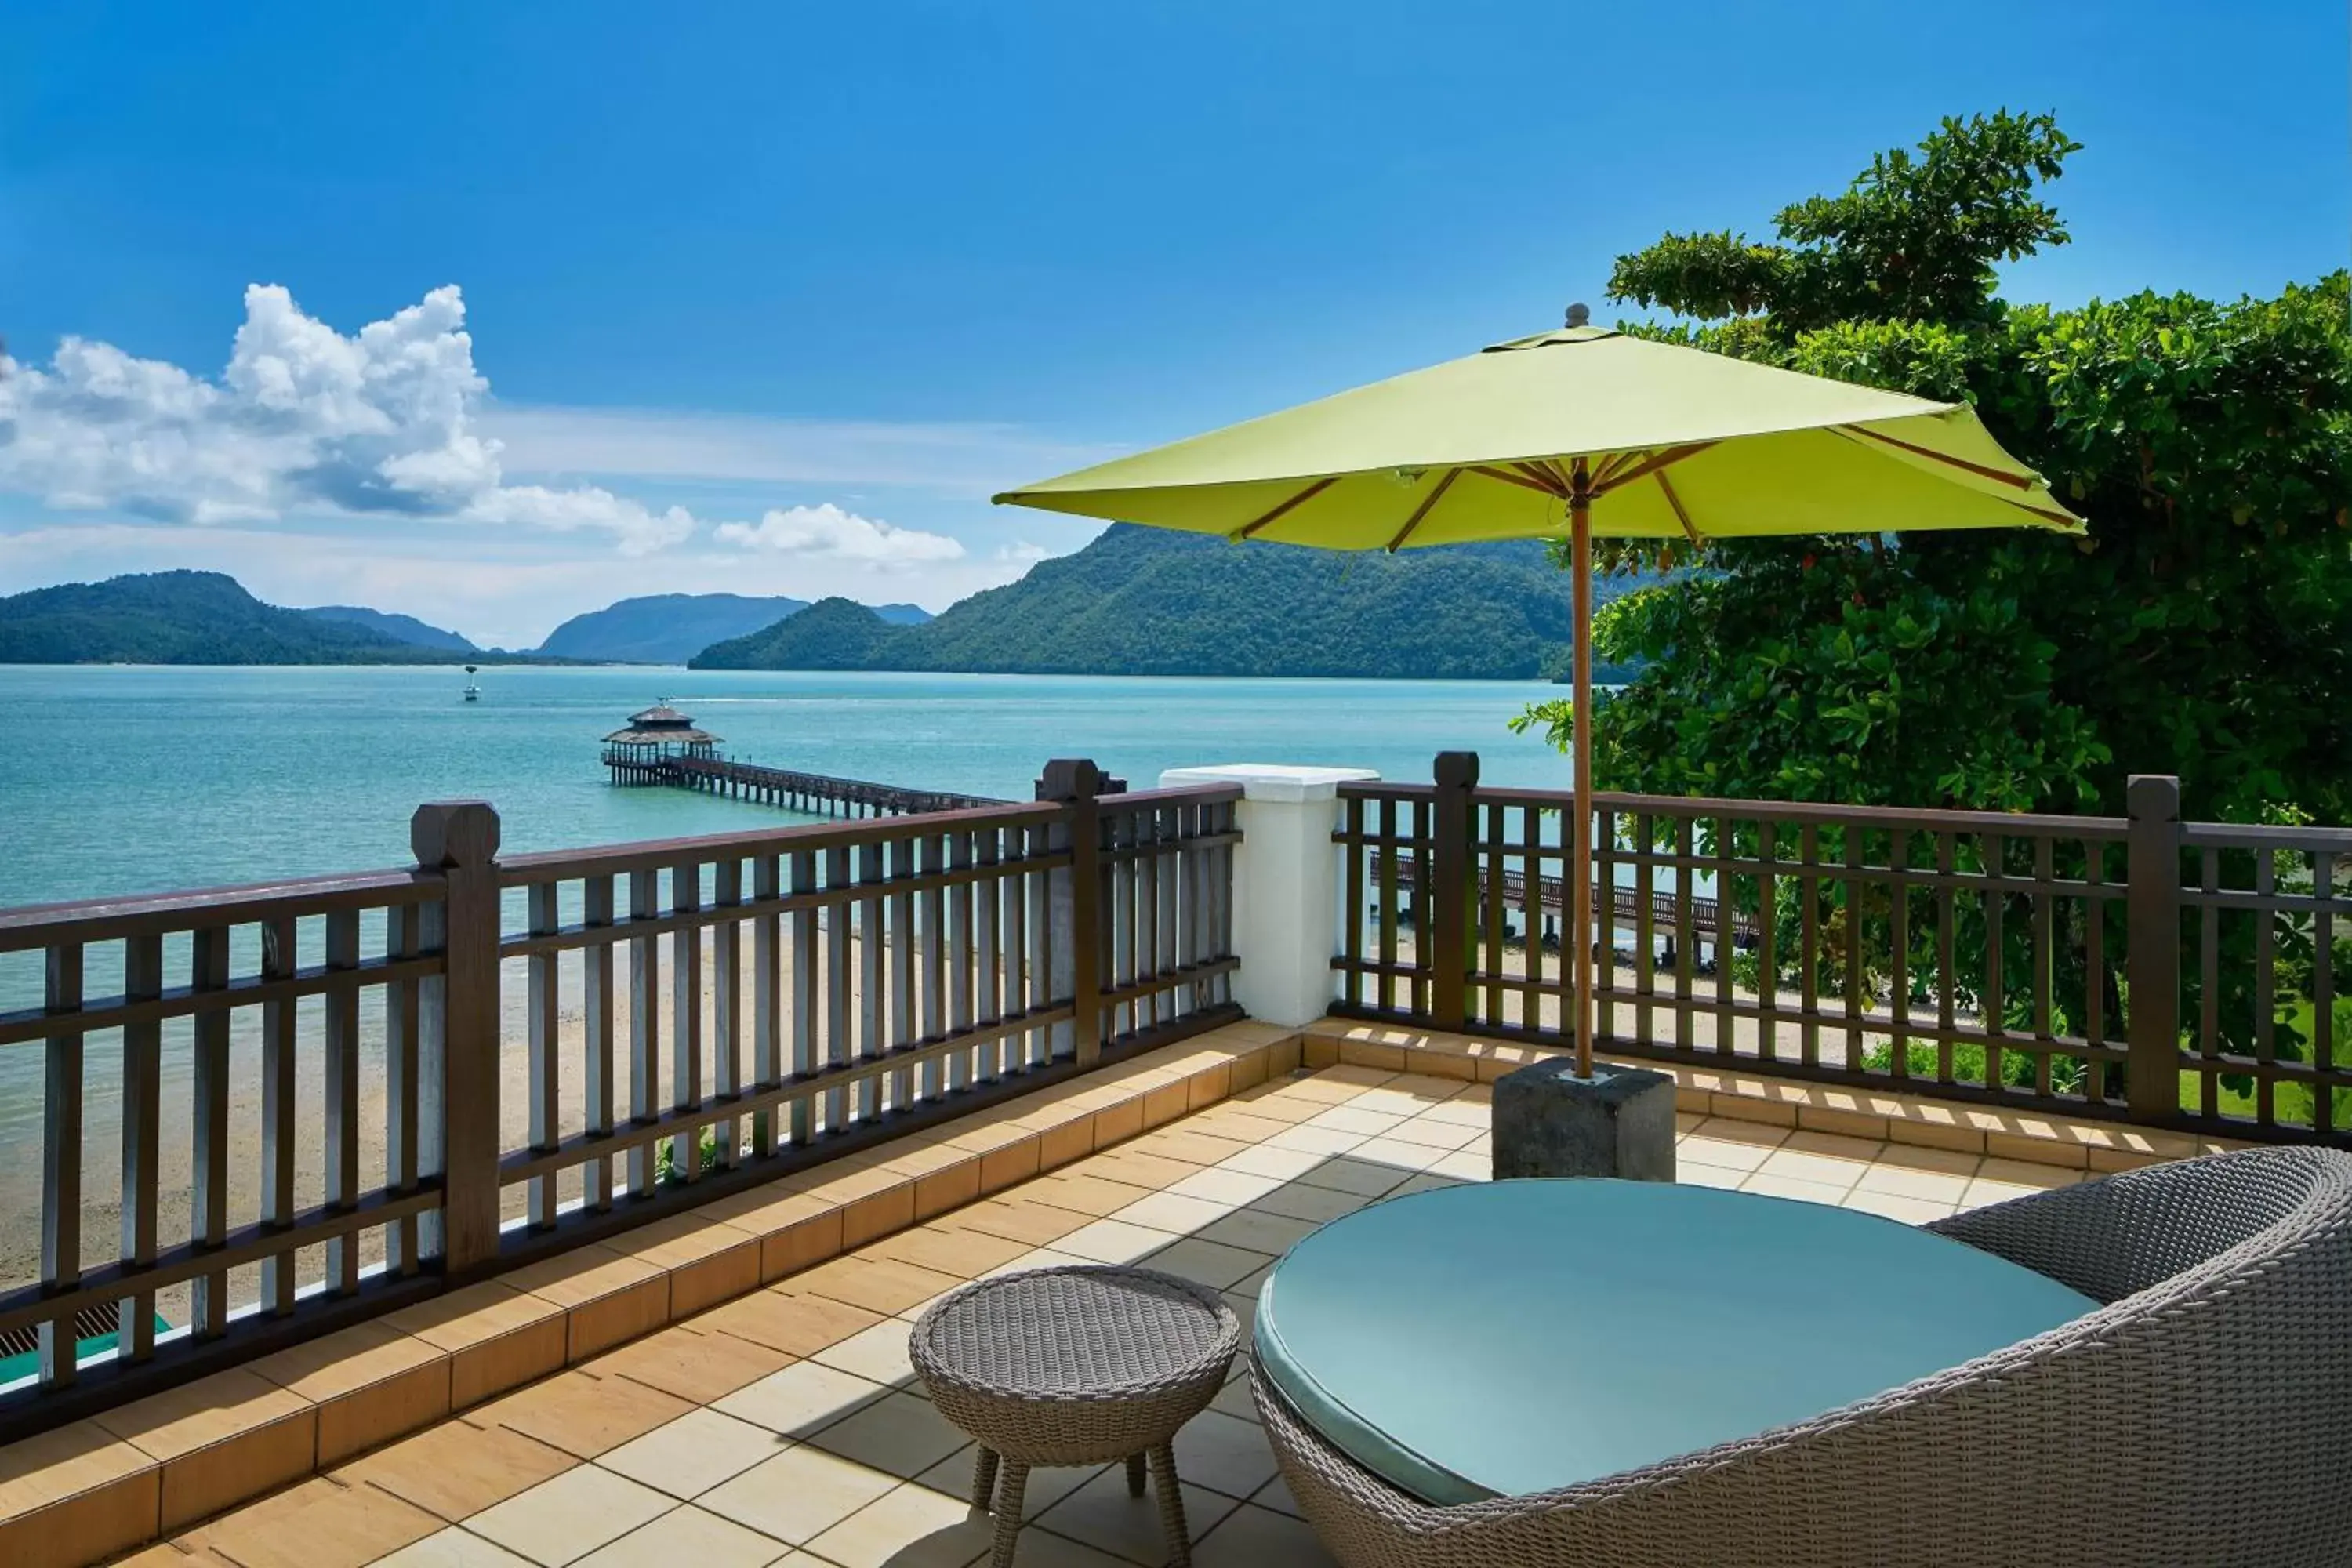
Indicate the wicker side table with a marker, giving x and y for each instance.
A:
(1074, 1366)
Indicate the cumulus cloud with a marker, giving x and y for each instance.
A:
(305, 420)
(1022, 553)
(826, 531)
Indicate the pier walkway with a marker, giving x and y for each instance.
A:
(813, 794)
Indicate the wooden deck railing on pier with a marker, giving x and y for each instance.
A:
(830, 985)
(816, 795)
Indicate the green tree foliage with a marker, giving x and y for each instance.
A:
(2203, 629)
(186, 617)
(1141, 601)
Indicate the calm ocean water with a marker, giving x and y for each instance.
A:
(134, 780)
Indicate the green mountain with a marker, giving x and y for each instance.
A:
(398, 627)
(671, 628)
(186, 618)
(1142, 601)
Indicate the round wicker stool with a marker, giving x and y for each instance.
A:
(1074, 1366)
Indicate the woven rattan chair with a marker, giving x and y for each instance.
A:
(2202, 1416)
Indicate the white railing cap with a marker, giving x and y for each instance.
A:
(1275, 783)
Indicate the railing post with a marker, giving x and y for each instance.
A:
(2152, 934)
(1451, 876)
(1076, 922)
(458, 1075)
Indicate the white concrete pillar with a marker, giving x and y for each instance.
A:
(1285, 883)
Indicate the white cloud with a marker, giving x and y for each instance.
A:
(826, 531)
(1022, 553)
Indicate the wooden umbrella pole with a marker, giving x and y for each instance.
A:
(1580, 854)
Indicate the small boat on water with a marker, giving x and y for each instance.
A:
(473, 692)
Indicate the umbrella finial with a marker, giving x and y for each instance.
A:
(1580, 314)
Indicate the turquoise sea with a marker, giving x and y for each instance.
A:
(121, 780)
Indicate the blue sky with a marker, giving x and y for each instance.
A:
(830, 274)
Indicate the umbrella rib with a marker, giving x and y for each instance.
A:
(1608, 469)
(1543, 476)
(1249, 529)
(1651, 464)
(1428, 501)
(2022, 482)
(1509, 477)
(1676, 501)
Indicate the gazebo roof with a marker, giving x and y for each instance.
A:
(661, 716)
(660, 735)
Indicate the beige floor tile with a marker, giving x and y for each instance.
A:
(1095, 1196)
(1275, 1495)
(1257, 1231)
(1192, 1143)
(1773, 1186)
(561, 1521)
(321, 1523)
(455, 1470)
(902, 1433)
(1310, 1139)
(453, 1548)
(2027, 1175)
(694, 1453)
(1722, 1153)
(688, 1538)
(1796, 1165)
(1355, 1119)
(1917, 1185)
(1925, 1157)
(1114, 1241)
(1225, 1185)
(786, 1320)
(691, 1363)
(1466, 1165)
(1224, 1454)
(1173, 1213)
(1252, 1537)
(1210, 1263)
(800, 1494)
(581, 1415)
(1235, 1399)
(1282, 1165)
(911, 1527)
(1426, 1182)
(1477, 1111)
(1317, 1205)
(1445, 1135)
(801, 1399)
(1833, 1145)
(945, 1250)
(1102, 1515)
(1043, 1549)
(1691, 1175)
(1047, 1484)
(1018, 1218)
(879, 1354)
(878, 1284)
(1894, 1206)
(1364, 1178)
(1733, 1130)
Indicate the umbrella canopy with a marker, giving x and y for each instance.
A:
(1573, 433)
(1677, 442)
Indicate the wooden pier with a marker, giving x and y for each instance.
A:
(661, 746)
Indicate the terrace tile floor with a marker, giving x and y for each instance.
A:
(785, 1428)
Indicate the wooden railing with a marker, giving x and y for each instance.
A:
(685, 1016)
(2178, 976)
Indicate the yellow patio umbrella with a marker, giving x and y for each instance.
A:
(1573, 432)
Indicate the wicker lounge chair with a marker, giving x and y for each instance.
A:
(2202, 1416)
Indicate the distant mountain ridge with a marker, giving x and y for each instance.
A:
(398, 627)
(1143, 601)
(186, 617)
(671, 628)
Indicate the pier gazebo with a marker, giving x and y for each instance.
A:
(658, 735)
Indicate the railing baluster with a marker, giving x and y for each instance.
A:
(143, 1096)
(645, 1029)
(931, 981)
(1645, 923)
(988, 949)
(2095, 967)
(1899, 926)
(2323, 994)
(1014, 1049)
(278, 1135)
(1604, 914)
(807, 987)
(904, 941)
(685, 1019)
(208, 1218)
(1768, 937)
(1856, 848)
(2046, 960)
(1995, 1005)
(403, 938)
(872, 944)
(1165, 860)
(767, 1000)
(61, 1159)
(1385, 987)
(2265, 969)
(1486, 882)
(1351, 913)
(1946, 867)
(1686, 939)
(838, 1041)
(960, 959)
(1041, 944)
(596, 1036)
(2208, 975)
(544, 1006)
(727, 1006)
(1808, 993)
(1727, 1029)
